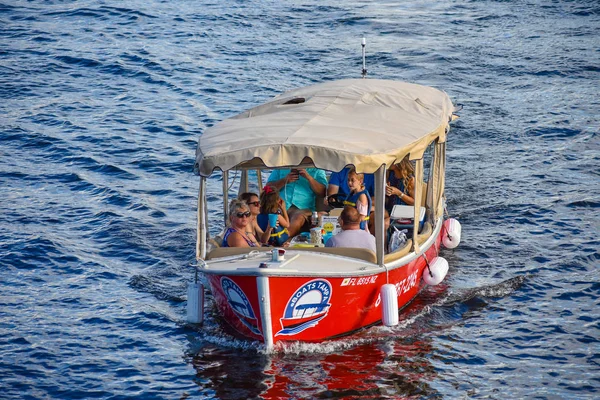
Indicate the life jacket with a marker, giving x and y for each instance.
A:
(279, 234)
(352, 199)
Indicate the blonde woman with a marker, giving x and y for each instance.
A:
(400, 188)
(238, 234)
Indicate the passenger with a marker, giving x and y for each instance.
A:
(238, 234)
(351, 234)
(401, 185)
(254, 204)
(338, 184)
(299, 188)
(271, 203)
(358, 197)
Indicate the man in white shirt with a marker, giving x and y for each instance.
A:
(351, 234)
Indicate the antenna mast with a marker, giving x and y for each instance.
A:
(364, 69)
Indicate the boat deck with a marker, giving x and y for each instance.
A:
(303, 261)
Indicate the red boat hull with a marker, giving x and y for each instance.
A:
(313, 309)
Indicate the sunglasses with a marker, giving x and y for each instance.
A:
(243, 214)
(254, 203)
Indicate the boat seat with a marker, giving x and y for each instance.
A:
(399, 253)
(352, 252)
(407, 248)
(215, 242)
(425, 233)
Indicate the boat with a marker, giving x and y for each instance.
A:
(315, 293)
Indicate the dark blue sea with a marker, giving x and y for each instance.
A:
(101, 107)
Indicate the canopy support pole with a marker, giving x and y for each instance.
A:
(201, 227)
(225, 197)
(259, 180)
(379, 203)
(439, 180)
(243, 183)
(417, 205)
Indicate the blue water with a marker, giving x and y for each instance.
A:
(102, 104)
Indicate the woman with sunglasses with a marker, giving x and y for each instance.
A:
(253, 227)
(237, 234)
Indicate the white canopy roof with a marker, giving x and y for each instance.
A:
(363, 122)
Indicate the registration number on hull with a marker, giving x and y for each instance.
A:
(359, 281)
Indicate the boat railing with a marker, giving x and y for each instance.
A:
(351, 252)
(361, 254)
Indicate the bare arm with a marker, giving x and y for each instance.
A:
(264, 237)
(279, 184)
(408, 198)
(259, 234)
(317, 187)
(284, 219)
(332, 189)
(362, 199)
(257, 230)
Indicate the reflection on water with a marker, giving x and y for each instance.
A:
(386, 369)
(378, 362)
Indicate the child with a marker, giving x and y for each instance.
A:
(358, 197)
(271, 203)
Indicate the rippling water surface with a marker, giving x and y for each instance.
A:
(101, 107)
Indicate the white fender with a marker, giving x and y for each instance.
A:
(389, 305)
(436, 271)
(451, 233)
(195, 303)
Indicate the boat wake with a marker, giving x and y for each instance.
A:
(484, 293)
(435, 309)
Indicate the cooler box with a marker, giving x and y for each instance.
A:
(402, 217)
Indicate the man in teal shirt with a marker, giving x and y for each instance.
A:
(299, 188)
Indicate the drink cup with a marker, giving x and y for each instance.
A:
(316, 236)
(273, 220)
(277, 254)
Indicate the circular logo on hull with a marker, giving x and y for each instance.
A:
(308, 305)
(239, 303)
